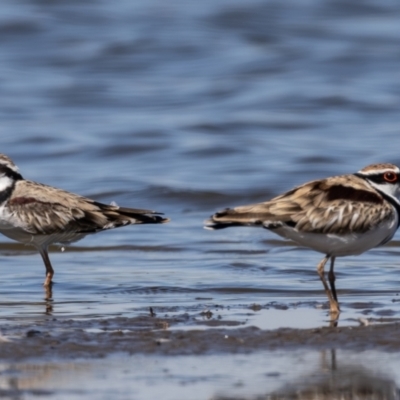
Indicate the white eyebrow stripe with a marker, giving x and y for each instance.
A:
(379, 171)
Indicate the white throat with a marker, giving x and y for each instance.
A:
(388, 189)
(5, 183)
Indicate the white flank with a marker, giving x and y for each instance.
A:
(340, 245)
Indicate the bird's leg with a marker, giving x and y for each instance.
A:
(49, 299)
(333, 304)
(332, 278)
(49, 268)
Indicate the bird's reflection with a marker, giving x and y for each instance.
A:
(332, 380)
(335, 380)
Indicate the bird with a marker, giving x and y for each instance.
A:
(338, 216)
(40, 215)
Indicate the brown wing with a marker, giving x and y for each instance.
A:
(332, 205)
(42, 209)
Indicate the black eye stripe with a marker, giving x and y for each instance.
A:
(378, 178)
(9, 172)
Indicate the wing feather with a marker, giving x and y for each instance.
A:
(333, 205)
(42, 209)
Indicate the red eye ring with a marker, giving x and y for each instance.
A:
(390, 177)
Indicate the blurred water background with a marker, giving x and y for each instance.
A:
(187, 107)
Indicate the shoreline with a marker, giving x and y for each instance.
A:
(72, 339)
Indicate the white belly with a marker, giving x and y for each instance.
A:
(13, 228)
(341, 245)
(39, 241)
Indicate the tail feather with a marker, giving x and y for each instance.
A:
(240, 216)
(110, 216)
(143, 216)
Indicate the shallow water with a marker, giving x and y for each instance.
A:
(187, 108)
(318, 374)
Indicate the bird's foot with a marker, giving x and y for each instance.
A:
(334, 309)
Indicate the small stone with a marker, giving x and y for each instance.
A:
(32, 333)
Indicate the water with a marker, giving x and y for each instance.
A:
(187, 108)
(322, 375)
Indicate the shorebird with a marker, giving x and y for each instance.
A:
(40, 215)
(337, 216)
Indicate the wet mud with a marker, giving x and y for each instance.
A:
(68, 339)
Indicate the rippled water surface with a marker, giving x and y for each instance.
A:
(186, 108)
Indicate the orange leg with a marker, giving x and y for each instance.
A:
(333, 303)
(49, 268)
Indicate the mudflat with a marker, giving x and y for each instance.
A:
(69, 339)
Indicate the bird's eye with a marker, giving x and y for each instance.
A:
(390, 177)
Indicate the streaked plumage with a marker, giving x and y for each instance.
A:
(40, 215)
(338, 216)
